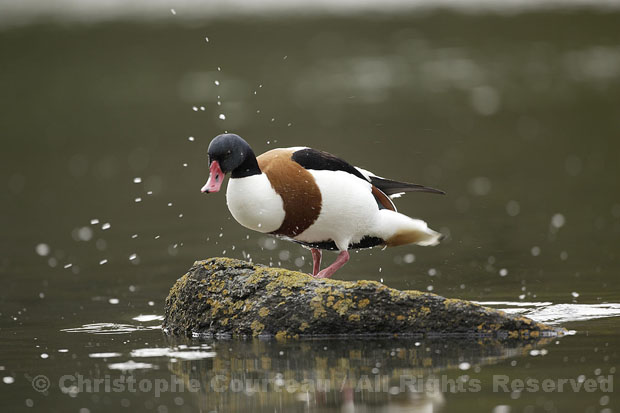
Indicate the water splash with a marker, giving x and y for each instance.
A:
(549, 313)
(109, 328)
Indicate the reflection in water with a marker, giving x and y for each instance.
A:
(396, 374)
(109, 328)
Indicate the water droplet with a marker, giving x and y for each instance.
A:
(138, 199)
(42, 249)
(464, 366)
(102, 262)
(558, 221)
(105, 226)
(133, 257)
(574, 294)
(114, 301)
(485, 100)
(535, 251)
(44, 355)
(217, 82)
(195, 108)
(94, 221)
(101, 244)
(206, 39)
(480, 186)
(173, 11)
(513, 208)
(191, 139)
(503, 272)
(222, 116)
(137, 180)
(82, 234)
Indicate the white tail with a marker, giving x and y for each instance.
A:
(398, 229)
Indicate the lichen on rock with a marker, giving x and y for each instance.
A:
(224, 297)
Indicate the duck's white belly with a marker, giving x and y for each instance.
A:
(254, 203)
(348, 209)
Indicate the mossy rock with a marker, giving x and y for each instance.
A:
(229, 297)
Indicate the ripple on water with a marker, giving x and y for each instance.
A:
(148, 317)
(109, 328)
(131, 365)
(189, 353)
(103, 355)
(549, 313)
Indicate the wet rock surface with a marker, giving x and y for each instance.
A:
(229, 297)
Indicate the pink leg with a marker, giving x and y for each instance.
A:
(342, 259)
(316, 259)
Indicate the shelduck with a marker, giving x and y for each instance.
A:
(313, 198)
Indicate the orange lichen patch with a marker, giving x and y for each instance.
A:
(354, 317)
(317, 305)
(363, 303)
(342, 306)
(281, 335)
(263, 312)
(257, 327)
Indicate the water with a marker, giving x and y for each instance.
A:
(514, 116)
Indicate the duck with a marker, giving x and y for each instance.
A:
(313, 198)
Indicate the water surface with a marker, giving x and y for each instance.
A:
(105, 130)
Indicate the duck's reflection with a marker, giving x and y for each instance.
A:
(354, 375)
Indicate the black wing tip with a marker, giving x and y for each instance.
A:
(437, 191)
(427, 189)
(390, 187)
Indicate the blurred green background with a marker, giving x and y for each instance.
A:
(515, 115)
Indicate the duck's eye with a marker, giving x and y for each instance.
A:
(217, 177)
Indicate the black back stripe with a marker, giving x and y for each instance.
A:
(323, 161)
(366, 242)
